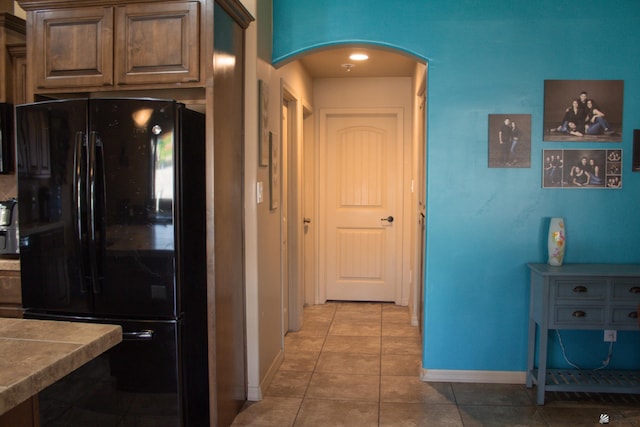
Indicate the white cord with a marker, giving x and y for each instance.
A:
(564, 354)
(605, 362)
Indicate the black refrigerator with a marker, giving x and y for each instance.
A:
(112, 230)
(6, 138)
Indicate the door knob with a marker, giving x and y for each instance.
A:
(389, 218)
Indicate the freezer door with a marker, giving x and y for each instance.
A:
(137, 382)
(50, 142)
(133, 191)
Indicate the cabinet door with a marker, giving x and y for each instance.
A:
(73, 47)
(18, 55)
(157, 43)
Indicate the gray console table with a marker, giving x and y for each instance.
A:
(581, 296)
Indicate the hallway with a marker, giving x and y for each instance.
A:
(357, 364)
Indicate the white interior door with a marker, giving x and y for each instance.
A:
(361, 171)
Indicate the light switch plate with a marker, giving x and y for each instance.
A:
(259, 192)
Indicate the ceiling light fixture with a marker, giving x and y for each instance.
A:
(348, 67)
(358, 57)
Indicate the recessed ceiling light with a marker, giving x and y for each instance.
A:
(358, 57)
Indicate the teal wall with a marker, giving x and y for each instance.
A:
(484, 224)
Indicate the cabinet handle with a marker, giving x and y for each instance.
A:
(633, 315)
(144, 335)
(635, 290)
(580, 289)
(579, 313)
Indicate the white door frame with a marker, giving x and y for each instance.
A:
(285, 143)
(402, 285)
(293, 210)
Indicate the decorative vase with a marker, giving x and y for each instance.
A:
(557, 241)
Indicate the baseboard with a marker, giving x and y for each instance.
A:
(497, 377)
(414, 320)
(255, 394)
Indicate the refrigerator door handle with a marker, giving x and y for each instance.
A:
(78, 167)
(91, 213)
(144, 335)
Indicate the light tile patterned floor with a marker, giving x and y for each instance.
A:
(357, 364)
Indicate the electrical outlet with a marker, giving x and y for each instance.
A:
(610, 336)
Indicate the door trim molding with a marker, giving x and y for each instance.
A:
(295, 207)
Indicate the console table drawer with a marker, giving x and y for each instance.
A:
(577, 317)
(580, 289)
(624, 317)
(627, 290)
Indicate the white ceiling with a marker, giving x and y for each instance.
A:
(381, 63)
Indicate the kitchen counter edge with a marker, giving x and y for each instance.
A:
(36, 353)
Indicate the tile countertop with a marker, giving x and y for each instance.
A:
(36, 353)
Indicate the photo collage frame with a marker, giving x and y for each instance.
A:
(577, 168)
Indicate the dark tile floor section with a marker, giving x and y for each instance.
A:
(357, 364)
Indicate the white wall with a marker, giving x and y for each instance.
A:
(18, 11)
(265, 344)
(251, 220)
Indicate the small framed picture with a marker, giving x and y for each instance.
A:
(509, 142)
(274, 171)
(263, 125)
(636, 151)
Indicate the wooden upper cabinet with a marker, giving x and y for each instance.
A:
(115, 46)
(157, 43)
(18, 56)
(73, 47)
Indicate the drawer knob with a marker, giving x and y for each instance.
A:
(579, 313)
(580, 289)
(635, 290)
(633, 315)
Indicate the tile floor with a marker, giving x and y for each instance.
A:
(357, 364)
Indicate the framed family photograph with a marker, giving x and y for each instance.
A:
(509, 144)
(263, 123)
(583, 110)
(636, 151)
(582, 168)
